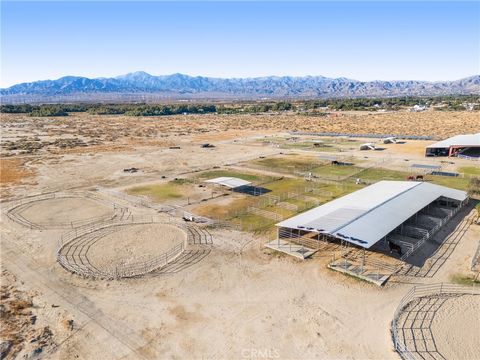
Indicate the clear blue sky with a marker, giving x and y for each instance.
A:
(360, 40)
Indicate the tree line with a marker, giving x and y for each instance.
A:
(315, 107)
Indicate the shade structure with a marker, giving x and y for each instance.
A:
(230, 182)
(366, 216)
(469, 140)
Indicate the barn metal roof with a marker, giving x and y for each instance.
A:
(230, 182)
(367, 215)
(459, 140)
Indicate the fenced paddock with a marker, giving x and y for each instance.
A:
(64, 210)
(77, 249)
(137, 201)
(411, 326)
(370, 136)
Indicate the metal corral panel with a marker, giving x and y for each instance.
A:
(459, 140)
(367, 215)
(230, 182)
(423, 166)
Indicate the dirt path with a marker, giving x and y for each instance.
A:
(118, 340)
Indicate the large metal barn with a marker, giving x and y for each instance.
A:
(393, 217)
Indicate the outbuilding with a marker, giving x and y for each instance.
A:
(460, 145)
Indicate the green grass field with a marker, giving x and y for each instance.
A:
(255, 223)
(459, 183)
(289, 163)
(335, 171)
(470, 170)
(161, 192)
(235, 211)
(377, 174)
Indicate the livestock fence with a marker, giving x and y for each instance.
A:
(298, 170)
(73, 245)
(472, 158)
(420, 291)
(15, 209)
(136, 200)
(429, 233)
(262, 206)
(356, 264)
(372, 136)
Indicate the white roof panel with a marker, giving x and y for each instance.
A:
(230, 182)
(367, 215)
(459, 140)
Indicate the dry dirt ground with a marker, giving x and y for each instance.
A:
(240, 300)
(455, 327)
(131, 244)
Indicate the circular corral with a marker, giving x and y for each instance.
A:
(439, 325)
(122, 250)
(62, 211)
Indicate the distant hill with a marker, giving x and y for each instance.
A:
(140, 86)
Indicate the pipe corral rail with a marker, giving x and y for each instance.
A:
(432, 232)
(122, 271)
(119, 212)
(420, 291)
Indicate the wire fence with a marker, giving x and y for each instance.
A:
(265, 213)
(135, 200)
(419, 292)
(72, 260)
(373, 136)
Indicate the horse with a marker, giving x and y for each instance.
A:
(394, 247)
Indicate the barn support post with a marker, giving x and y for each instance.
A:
(363, 261)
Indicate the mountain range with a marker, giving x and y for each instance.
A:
(143, 86)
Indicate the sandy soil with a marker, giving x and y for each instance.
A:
(134, 243)
(232, 300)
(14, 172)
(65, 210)
(81, 130)
(456, 328)
(29, 325)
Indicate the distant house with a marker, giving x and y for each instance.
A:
(418, 108)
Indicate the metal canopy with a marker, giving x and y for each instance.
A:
(367, 215)
(459, 140)
(230, 182)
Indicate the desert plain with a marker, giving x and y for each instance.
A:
(229, 297)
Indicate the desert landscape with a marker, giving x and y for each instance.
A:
(99, 262)
(252, 180)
